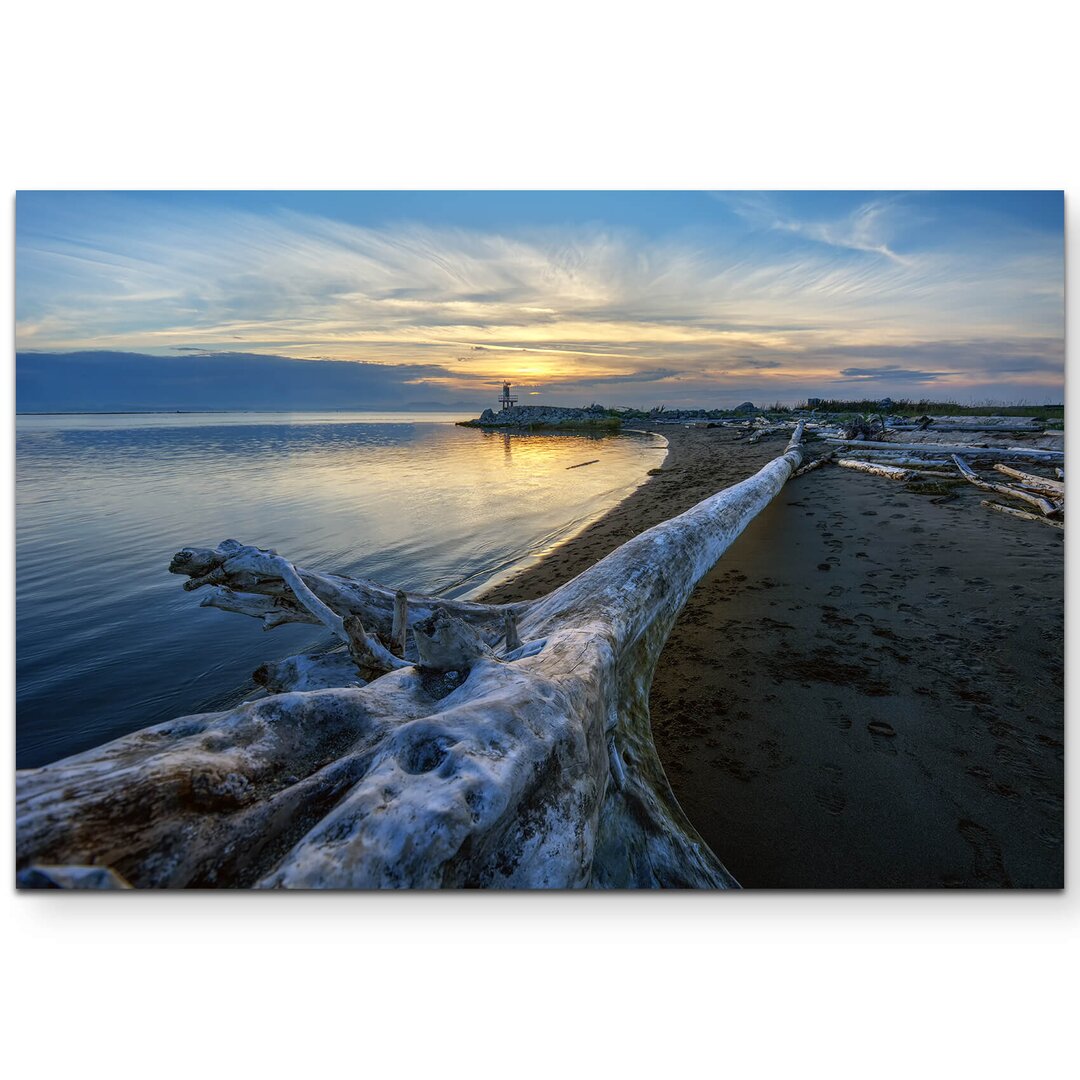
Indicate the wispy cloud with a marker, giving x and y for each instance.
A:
(894, 374)
(785, 298)
(867, 227)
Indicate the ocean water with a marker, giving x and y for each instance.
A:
(107, 641)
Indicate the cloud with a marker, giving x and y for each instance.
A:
(894, 373)
(649, 376)
(864, 229)
(780, 298)
(757, 362)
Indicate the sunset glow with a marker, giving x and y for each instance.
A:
(630, 298)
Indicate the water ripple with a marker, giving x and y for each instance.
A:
(107, 641)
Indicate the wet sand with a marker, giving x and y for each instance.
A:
(867, 690)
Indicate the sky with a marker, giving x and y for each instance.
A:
(625, 298)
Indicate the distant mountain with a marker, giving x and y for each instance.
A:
(136, 382)
(459, 406)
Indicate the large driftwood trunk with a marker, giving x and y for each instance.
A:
(1017, 452)
(513, 749)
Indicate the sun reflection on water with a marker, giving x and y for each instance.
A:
(107, 641)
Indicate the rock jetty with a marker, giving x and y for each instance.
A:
(546, 417)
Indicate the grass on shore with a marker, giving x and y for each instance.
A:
(924, 407)
(862, 407)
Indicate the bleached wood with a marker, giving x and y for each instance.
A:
(373, 602)
(534, 770)
(512, 640)
(825, 459)
(400, 629)
(446, 643)
(309, 671)
(956, 448)
(37, 876)
(883, 458)
(1054, 488)
(1044, 505)
(767, 429)
(980, 424)
(890, 472)
(1012, 511)
(272, 610)
(369, 653)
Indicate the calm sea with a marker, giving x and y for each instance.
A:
(107, 641)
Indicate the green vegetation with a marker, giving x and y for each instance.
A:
(934, 487)
(770, 412)
(610, 423)
(1052, 416)
(924, 407)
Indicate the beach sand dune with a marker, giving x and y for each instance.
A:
(867, 690)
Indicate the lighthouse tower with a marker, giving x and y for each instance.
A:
(506, 400)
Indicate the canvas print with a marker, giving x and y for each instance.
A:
(539, 540)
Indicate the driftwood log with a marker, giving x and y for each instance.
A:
(817, 463)
(1017, 452)
(512, 748)
(1023, 514)
(1008, 490)
(1055, 489)
(956, 423)
(890, 472)
(883, 457)
(767, 430)
(250, 581)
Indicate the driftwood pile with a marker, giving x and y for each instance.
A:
(896, 460)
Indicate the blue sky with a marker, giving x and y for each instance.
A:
(635, 298)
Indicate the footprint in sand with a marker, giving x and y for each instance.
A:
(882, 737)
(989, 865)
(829, 793)
(880, 728)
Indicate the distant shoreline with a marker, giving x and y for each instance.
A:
(219, 412)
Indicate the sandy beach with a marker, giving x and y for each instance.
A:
(867, 690)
